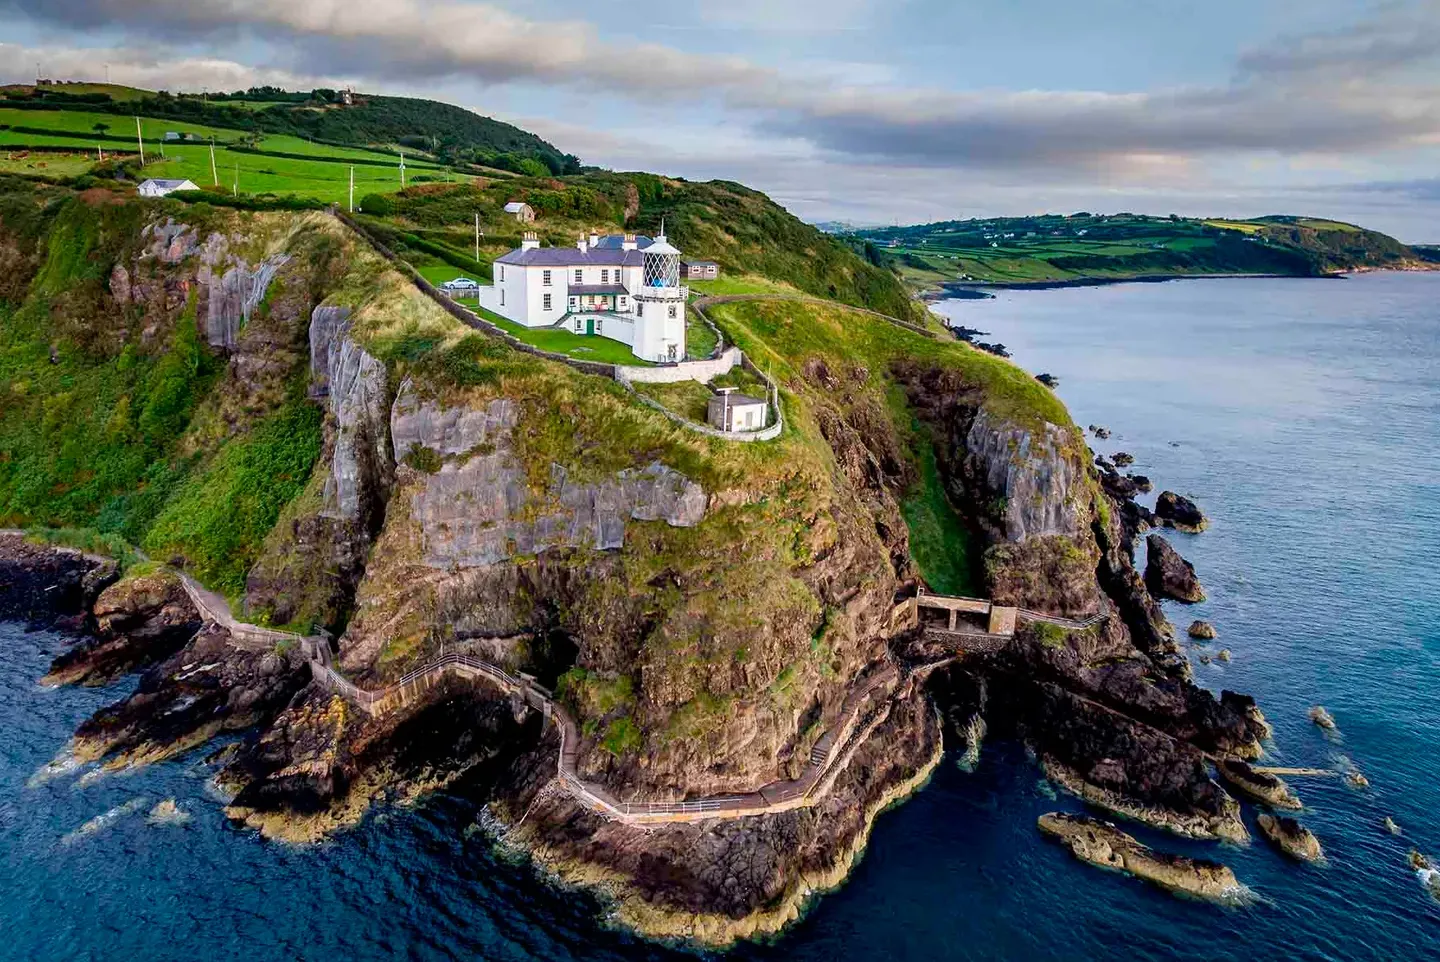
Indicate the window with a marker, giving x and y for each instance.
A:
(502, 272)
(545, 301)
(578, 325)
(574, 302)
(599, 325)
(604, 277)
(502, 297)
(578, 277)
(640, 309)
(672, 310)
(545, 278)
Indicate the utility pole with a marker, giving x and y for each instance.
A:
(477, 235)
(214, 177)
(235, 189)
(140, 141)
(402, 170)
(352, 189)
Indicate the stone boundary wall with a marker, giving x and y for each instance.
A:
(702, 371)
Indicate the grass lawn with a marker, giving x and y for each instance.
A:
(689, 399)
(81, 123)
(741, 284)
(584, 347)
(699, 339)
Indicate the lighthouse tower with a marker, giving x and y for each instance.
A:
(660, 304)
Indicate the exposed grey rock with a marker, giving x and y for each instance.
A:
(1038, 484)
(478, 508)
(446, 431)
(360, 469)
(328, 327)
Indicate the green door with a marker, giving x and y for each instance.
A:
(589, 325)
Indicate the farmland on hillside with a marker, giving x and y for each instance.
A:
(1056, 248)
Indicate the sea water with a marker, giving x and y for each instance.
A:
(1302, 415)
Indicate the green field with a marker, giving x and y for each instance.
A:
(582, 346)
(325, 178)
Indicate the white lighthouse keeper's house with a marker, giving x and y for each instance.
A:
(608, 287)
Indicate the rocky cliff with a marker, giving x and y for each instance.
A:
(703, 610)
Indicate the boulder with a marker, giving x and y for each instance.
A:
(1261, 786)
(1180, 513)
(1321, 717)
(139, 621)
(1223, 655)
(1202, 630)
(1118, 486)
(1143, 483)
(1101, 843)
(1168, 575)
(1391, 826)
(1122, 459)
(1292, 838)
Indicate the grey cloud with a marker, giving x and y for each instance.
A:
(415, 39)
(1099, 136)
(1397, 37)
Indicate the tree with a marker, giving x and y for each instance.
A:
(100, 128)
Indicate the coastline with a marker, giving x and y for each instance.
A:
(630, 910)
(950, 289)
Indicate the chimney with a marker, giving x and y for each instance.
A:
(581, 244)
(628, 243)
(594, 239)
(529, 241)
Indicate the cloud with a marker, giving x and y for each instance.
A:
(414, 39)
(149, 68)
(1397, 37)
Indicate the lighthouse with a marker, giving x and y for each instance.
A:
(660, 304)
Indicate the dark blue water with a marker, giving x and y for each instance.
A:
(1304, 416)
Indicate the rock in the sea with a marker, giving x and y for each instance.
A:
(1202, 630)
(1261, 786)
(1180, 513)
(167, 813)
(1357, 780)
(1321, 717)
(1100, 432)
(1101, 843)
(1168, 575)
(1143, 483)
(1429, 877)
(1292, 838)
(1118, 485)
(1122, 459)
(1391, 826)
(1223, 655)
(139, 621)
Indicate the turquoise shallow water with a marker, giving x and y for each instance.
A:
(1304, 416)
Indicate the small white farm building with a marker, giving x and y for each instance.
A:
(521, 211)
(154, 187)
(731, 411)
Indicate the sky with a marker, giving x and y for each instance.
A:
(864, 111)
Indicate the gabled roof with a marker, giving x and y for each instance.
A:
(689, 263)
(736, 400)
(597, 289)
(171, 184)
(515, 207)
(570, 257)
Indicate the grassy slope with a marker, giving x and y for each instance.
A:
(107, 429)
(781, 337)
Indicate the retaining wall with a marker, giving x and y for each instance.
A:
(702, 371)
